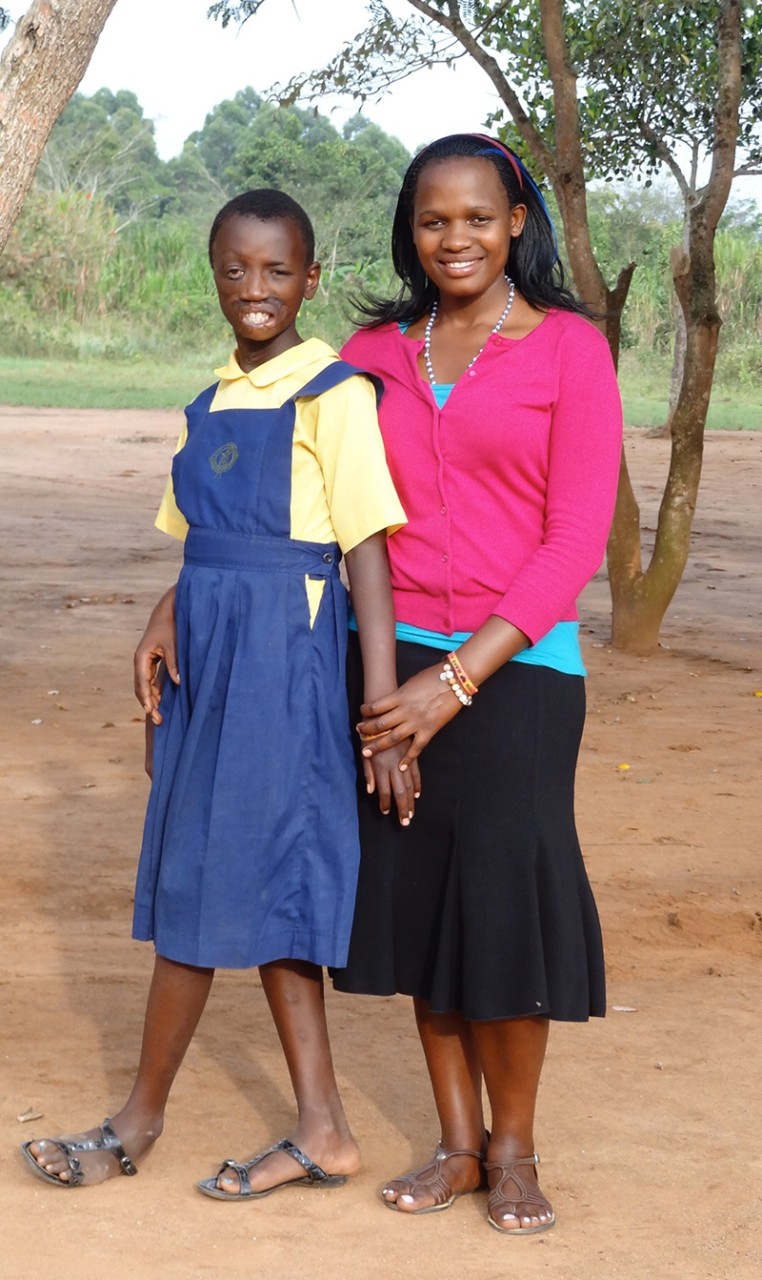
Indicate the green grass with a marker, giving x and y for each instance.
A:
(147, 383)
(103, 384)
(726, 413)
(736, 405)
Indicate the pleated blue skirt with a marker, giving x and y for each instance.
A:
(250, 850)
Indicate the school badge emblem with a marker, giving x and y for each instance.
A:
(224, 458)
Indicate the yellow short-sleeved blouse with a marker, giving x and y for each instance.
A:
(341, 490)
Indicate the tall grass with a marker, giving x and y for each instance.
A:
(648, 318)
(75, 287)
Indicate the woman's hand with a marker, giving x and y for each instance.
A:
(157, 645)
(383, 775)
(417, 710)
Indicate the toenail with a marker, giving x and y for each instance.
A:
(407, 1199)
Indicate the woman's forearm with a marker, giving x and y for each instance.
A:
(368, 573)
(494, 644)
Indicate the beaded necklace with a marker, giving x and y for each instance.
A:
(492, 332)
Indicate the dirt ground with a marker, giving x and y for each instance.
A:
(648, 1120)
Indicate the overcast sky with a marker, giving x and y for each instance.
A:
(180, 64)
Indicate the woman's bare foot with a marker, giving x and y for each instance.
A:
(438, 1183)
(96, 1154)
(336, 1153)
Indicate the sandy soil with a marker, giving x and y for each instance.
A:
(648, 1121)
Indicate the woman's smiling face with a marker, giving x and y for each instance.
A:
(463, 224)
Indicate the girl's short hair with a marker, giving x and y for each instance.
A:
(533, 263)
(266, 204)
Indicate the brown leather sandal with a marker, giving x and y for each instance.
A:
(436, 1185)
(511, 1199)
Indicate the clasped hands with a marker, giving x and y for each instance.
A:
(394, 731)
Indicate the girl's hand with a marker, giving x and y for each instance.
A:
(417, 710)
(383, 774)
(157, 646)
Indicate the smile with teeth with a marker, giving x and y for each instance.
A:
(462, 264)
(257, 317)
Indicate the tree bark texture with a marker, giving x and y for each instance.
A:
(40, 68)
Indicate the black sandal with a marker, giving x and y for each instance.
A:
(314, 1175)
(108, 1141)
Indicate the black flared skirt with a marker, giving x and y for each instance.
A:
(482, 905)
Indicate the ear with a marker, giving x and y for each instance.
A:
(312, 280)
(518, 218)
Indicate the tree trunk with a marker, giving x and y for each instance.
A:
(641, 599)
(40, 68)
(676, 376)
(568, 178)
(681, 337)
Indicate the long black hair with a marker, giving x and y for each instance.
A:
(533, 263)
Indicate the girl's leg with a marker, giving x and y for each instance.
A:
(455, 1074)
(512, 1052)
(294, 991)
(176, 1001)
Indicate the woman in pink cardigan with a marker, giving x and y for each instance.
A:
(502, 426)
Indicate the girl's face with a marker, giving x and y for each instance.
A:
(262, 278)
(463, 225)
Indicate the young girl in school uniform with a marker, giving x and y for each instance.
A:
(250, 850)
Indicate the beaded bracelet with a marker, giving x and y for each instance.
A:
(461, 676)
(450, 677)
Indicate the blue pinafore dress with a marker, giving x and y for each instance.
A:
(250, 849)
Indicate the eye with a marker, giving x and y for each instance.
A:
(481, 219)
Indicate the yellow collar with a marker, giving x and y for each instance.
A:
(288, 362)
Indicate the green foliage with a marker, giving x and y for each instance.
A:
(650, 74)
(57, 252)
(103, 146)
(109, 254)
(80, 280)
(644, 225)
(347, 182)
(647, 70)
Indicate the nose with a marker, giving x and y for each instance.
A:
(254, 286)
(457, 235)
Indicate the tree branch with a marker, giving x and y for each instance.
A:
(666, 157)
(505, 91)
(726, 112)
